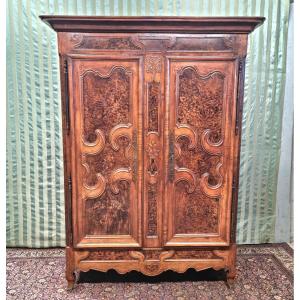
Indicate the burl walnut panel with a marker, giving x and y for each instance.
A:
(106, 159)
(200, 106)
(106, 104)
(201, 142)
(152, 113)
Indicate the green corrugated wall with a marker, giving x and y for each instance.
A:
(35, 202)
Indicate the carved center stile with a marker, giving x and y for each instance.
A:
(153, 69)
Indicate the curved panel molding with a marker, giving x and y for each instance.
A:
(96, 147)
(121, 130)
(212, 190)
(208, 146)
(122, 174)
(186, 175)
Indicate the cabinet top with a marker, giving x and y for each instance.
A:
(153, 24)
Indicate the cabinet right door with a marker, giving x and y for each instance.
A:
(200, 139)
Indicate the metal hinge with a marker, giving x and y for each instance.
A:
(135, 154)
(67, 102)
(233, 212)
(237, 117)
(171, 157)
(70, 186)
(70, 207)
(240, 65)
(233, 186)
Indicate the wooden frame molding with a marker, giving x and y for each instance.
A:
(153, 24)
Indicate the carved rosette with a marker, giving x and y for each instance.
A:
(153, 65)
(76, 39)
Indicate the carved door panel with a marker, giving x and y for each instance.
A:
(201, 151)
(105, 144)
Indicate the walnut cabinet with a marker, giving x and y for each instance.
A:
(151, 130)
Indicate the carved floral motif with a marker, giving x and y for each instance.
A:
(153, 64)
(203, 44)
(151, 255)
(152, 267)
(153, 102)
(152, 186)
(194, 254)
(151, 262)
(76, 39)
(152, 149)
(109, 255)
(152, 209)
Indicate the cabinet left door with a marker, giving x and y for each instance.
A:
(105, 149)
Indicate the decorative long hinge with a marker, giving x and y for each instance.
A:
(171, 156)
(70, 207)
(233, 187)
(67, 102)
(237, 117)
(233, 210)
(135, 154)
(240, 65)
(70, 186)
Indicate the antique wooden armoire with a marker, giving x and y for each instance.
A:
(151, 112)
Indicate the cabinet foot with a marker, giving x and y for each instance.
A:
(230, 275)
(71, 284)
(70, 268)
(71, 279)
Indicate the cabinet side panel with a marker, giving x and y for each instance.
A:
(66, 148)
